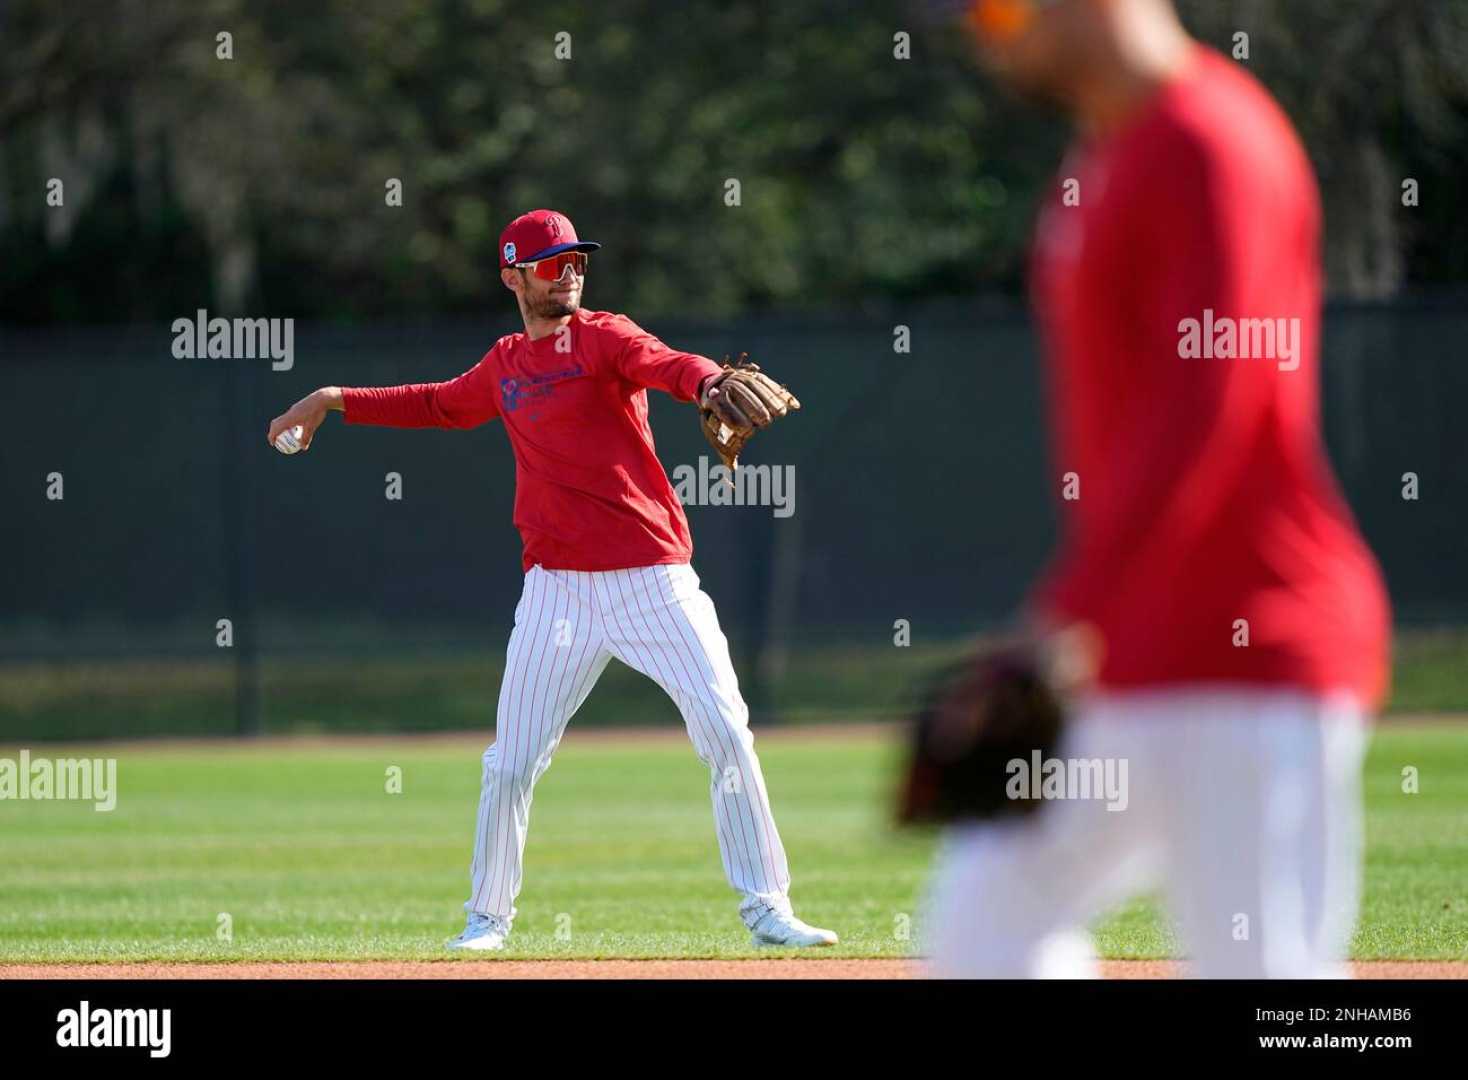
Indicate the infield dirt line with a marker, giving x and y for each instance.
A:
(781, 969)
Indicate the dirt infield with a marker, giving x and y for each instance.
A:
(627, 969)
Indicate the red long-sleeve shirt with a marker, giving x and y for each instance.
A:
(590, 493)
(1209, 542)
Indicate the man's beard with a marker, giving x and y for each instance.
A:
(553, 307)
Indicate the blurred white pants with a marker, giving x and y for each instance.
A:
(1243, 806)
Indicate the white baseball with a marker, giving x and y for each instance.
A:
(289, 441)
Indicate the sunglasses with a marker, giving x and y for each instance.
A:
(552, 268)
(1001, 20)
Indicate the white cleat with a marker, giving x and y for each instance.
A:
(482, 933)
(781, 929)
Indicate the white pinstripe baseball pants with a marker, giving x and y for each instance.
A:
(658, 621)
(1244, 807)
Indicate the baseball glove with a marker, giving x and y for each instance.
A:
(736, 403)
(1002, 703)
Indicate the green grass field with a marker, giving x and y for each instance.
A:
(310, 858)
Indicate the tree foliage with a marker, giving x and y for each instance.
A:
(863, 177)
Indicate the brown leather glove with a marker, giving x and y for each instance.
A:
(736, 403)
(1002, 702)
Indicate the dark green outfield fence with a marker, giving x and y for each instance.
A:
(921, 494)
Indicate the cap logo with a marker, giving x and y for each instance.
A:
(553, 223)
(510, 252)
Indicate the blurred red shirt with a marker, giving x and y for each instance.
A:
(590, 493)
(1201, 495)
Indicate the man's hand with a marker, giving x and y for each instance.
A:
(737, 402)
(307, 414)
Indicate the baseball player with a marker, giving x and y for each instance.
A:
(606, 559)
(1237, 622)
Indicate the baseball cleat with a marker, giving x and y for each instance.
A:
(781, 929)
(482, 933)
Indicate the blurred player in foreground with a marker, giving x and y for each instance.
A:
(1239, 622)
(606, 560)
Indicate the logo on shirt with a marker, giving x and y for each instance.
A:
(534, 388)
(509, 395)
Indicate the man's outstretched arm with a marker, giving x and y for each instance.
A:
(463, 402)
(643, 360)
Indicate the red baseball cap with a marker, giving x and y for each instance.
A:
(539, 235)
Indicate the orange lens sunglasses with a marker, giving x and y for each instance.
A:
(1000, 20)
(552, 268)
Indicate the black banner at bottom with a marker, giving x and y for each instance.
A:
(372, 1024)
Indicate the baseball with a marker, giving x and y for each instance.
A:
(289, 441)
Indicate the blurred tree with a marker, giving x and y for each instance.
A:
(1379, 90)
(260, 181)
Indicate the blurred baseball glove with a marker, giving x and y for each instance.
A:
(973, 717)
(737, 402)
